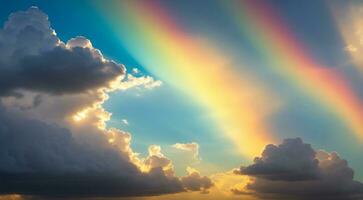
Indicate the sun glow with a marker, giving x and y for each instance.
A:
(79, 116)
(350, 25)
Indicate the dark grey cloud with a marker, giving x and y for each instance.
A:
(44, 159)
(294, 170)
(29, 145)
(195, 182)
(59, 70)
(292, 160)
(89, 185)
(32, 57)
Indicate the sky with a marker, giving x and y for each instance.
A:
(181, 99)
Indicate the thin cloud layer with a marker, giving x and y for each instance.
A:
(192, 147)
(294, 170)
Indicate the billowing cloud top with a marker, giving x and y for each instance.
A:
(294, 170)
(292, 160)
(33, 57)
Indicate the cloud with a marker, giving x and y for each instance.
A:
(135, 71)
(125, 122)
(191, 147)
(350, 48)
(54, 141)
(158, 160)
(292, 161)
(32, 57)
(11, 197)
(132, 81)
(294, 170)
(195, 182)
(43, 159)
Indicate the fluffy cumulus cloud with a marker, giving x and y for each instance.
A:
(294, 170)
(193, 181)
(54, 141)
(32, 57)
(291, 161)
(158, 160)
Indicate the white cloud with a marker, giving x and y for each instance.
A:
(124, 121)
(135, 71)
(192, 147)
(146, 82)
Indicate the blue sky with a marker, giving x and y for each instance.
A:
(166, 115)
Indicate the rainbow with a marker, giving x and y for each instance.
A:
(196, 67)
(236, 101)
(285, 55)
